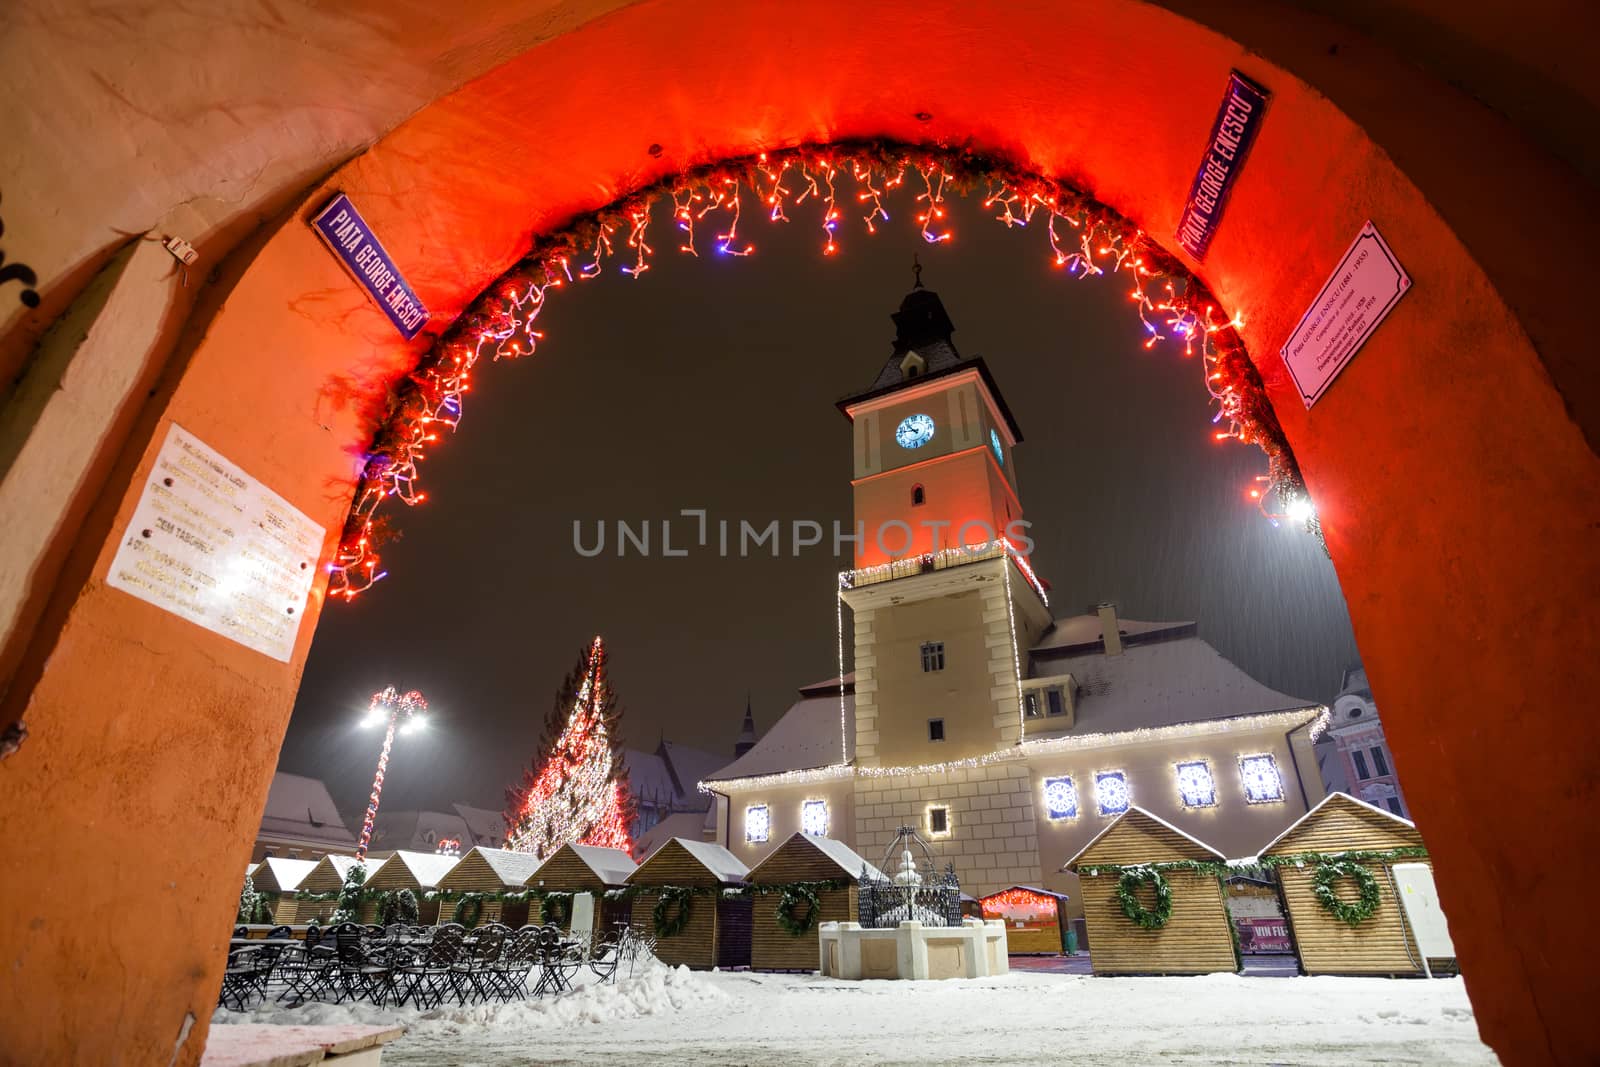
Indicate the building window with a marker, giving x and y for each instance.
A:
(757, 823)
(1394, 805)
(939, 822)
(1054, 701)
(1111, 793)
(814, 818)
(1361, 764)
(1196, 787)
(935, 729)
(1262, 782)
(932, 656)
(1060, 798)
(918, 496)
(1030, 703)
(1379, 763)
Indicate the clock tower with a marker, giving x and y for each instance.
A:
(933, 441)
(943, 597)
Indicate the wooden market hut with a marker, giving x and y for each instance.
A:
(419, 872)
(490, 870)
(718, 930)
(590, 869)
(1383, 943)
(326, 877)
(1032, 916)
(802, 858)
(1197, 938)
(280, 877)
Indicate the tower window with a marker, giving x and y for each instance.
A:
(918, 497)
(938, 822)
(1054, 702)
(935, 729)
(1379, 762)
(932, 656)
(1360, 759)
(1030, 703)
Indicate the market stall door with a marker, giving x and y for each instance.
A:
(735, 917)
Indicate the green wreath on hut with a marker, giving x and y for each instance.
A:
(1353, 913)
(557, 909)
(670, 923)
(468, 910)
(793, 898)
(1144, 917)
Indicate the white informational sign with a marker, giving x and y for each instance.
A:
(1366, 285)
(212, 545)
(1420, 900)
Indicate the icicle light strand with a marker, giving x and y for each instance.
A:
(1085, 239)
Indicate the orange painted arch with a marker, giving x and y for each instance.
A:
(1458, 491)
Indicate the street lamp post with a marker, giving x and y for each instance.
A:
(406, 711)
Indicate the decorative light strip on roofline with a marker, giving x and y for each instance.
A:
(1049, 746)
(943, 559)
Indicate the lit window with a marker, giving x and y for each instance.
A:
(1111, 794)
(757, 823)
(1262, 782)
(1379, 762)
(1361, 764)
(918, 496)
(935, 729)
(939, 822)
(933, 655)
(814, 818)
(1195, 785)
(1060, 798)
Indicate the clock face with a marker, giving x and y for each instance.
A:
(994, 443)
(914, 431)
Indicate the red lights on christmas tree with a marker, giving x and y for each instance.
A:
(580, 793)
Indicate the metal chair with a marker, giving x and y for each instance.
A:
(508, 976)
(245, 978)
(559, 960)
(424, 978)
(474, 968)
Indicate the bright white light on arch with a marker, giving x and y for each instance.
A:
(1300, 510)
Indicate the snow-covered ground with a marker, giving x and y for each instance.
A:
(663, 1015)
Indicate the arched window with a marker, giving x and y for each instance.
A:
(918, 497)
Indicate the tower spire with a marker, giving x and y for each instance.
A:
(747, 731)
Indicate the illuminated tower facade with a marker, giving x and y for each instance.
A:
(942, 599)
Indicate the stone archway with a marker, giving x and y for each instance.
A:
(152, 743)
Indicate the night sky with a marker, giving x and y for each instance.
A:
(711, 383)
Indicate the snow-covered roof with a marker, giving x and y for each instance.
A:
(611, 865)
(512, 868)
(487, 827)
(341, 865)
(830, 685)
(690, 765)
(648, 776)
(1086, 631)
(1153, 818)
(716, 859)
(1165, 683)
(426, 867)
(288, 873)
(682, 824)
(846, 857)
(1266, 850)
(421, 831)
(806, 736)
(301, 809)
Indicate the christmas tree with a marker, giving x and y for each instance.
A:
(579, 792)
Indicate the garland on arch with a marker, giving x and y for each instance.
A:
(1085, 238)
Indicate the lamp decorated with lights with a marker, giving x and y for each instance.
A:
(407, 713)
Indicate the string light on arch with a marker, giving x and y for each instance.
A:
(1083, 237)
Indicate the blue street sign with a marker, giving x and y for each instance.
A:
(352, 240)
(1238, 120)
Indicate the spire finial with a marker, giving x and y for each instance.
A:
(916, 272)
